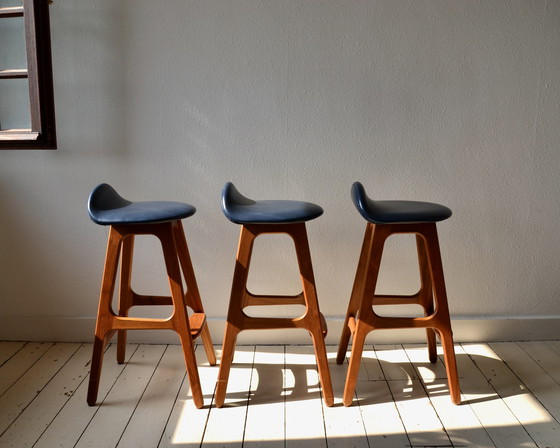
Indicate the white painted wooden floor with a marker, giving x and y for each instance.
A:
(511, 394)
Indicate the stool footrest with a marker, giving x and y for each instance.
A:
(264, 300)
(277, 323)
(197, 322)
(397, 300)
(142, 300)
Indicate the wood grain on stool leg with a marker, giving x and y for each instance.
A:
(443, 319)
(125, 292)
(426, 295)
(179, 318)
(103, 325)
(208, 345)
(358, 340)
(99, 345)
(323, 366)
(365, 317)
(228, 350)
(235, 318)
(312, 316)
(193, 295)
(355, 298)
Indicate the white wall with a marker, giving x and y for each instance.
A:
(448, 101)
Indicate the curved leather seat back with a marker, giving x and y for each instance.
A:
(107, 207)
(394, 212)
(242, 210)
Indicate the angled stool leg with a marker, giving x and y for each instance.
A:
(426, 295)
(355, 298)
(235, 316)
(360, 332)
(442, 312)
(450, 365)
(313, 316)
(226, 359)
(103, 325)
(193, 295)
(125, 292)
(179, 318)
(364, 321)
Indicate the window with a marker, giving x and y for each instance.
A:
(26, 90)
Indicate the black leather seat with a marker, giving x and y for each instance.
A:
(395, 212)
(242, 210)
(107, 207)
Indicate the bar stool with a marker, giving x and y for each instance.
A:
(260, 218)
(163, 220)
(386, 218)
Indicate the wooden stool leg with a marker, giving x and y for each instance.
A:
(323, 366)
(103, 330)
(443, 318)
(355, 298)
(125, 292)
(208, 345)
(180, 319)
(313, 316)
(365, 317)
(226, 359)
(358, 340)
(234, 322)
(450, 365)
(99, 346)
(426, 295)
(193, 294)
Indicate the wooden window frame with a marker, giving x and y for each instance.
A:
(42, 134)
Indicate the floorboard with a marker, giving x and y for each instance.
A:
(510, 393)
(28, 387)
(543, 429)
(303, 398)
(495, 416)
(460, 422)
(114, 413)
(36, 417)
(71, 421)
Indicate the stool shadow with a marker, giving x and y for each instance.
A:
(270, 386)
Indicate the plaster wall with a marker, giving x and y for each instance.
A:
(454, 102)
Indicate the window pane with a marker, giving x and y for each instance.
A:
(14, 94)
(14, 104)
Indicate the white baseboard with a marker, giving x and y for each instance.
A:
(64, 329)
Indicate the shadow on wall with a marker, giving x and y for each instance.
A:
(24, 255)
(42, 272)
(90, 86)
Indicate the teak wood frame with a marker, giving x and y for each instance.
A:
(311, 320)
(362, 319)
(177, 259)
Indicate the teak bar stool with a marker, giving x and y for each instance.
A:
(271, 217)
(386, 218)
(163, 220)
